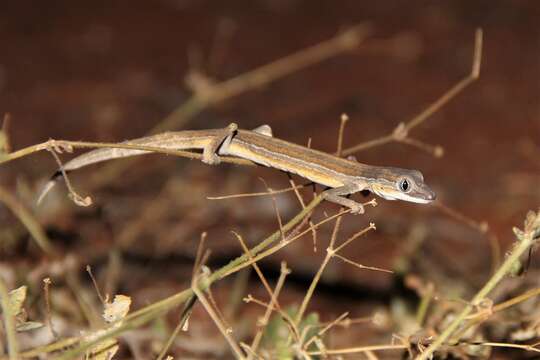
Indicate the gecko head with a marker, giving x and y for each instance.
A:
(402, 184)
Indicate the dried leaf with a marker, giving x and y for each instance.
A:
(16, 299)
(118, 309)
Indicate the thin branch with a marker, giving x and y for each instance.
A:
(215, 317)
(316, 278)
(276, 209)
(284, 271)
(273, 299)
(343, 122)
(328, 326)
(400, 133)
(363, 267)
(303, 205)
(255, 194)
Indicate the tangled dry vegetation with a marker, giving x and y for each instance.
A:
(41, 323)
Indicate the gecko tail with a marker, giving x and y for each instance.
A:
(57, 176)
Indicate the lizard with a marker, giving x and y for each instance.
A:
(341, 176)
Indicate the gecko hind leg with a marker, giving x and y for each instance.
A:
(219, 145)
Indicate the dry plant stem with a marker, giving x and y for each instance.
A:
(532, 348)
(40, 350)
(28, 220)
(186, 313)
(78, 199)
(94, 282)
(508, 303)
(325, 329)
(215, 317)
(212, 300)
(331, 251)
(276, 209)
(318, 275)
(282, 244)
(265, 193)
(46, 283)
(361, 349)
(483, 315)
(360, 266)
(519, 249)
(84, 299)
(9, 322)
(257, 270)
(344, 119)
(190, 303)
(303, 205)
(251, 80)
(284, 271)
(434, 107)
(426, 299)
(273, 304)
(150, 312)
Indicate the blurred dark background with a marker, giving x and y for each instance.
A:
(111, 70)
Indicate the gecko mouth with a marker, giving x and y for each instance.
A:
(416, 197)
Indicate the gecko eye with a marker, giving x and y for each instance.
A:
(404, 185)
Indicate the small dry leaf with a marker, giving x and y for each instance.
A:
(80, 201)
(118, 309)
(16, 299)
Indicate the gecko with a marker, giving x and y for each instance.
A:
(341, 176)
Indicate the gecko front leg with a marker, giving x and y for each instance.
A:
(336, 196)
(219, 142)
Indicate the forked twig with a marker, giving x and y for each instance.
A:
(226, 332)
(400, 133)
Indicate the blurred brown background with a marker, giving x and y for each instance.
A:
(111, 70)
